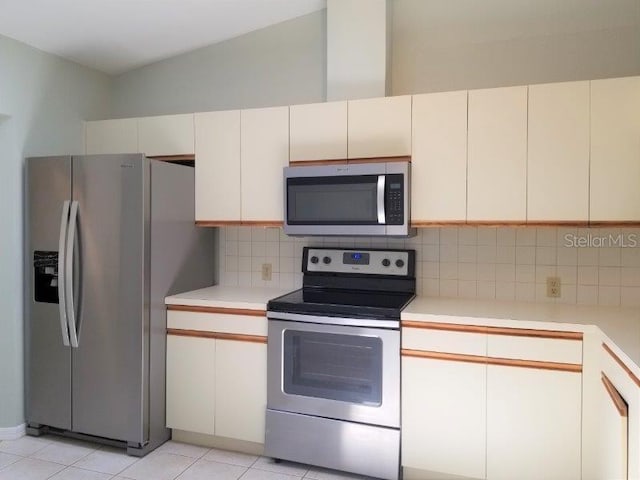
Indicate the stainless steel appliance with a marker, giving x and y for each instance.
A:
(333, 361)
(108, 237)
(350, 199)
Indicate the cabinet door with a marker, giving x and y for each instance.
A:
(614, 432)
(380, 127)
(217, 137)
(558, 152)
(444, 417)
(318, 131)
(191, 383)
(241, 390)
(497, 143)
(533, 424)
(615, 149)
(111, 136)
(166, 135)
(439, 160)
(264, 152)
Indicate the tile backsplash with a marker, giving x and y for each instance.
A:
(595, 265)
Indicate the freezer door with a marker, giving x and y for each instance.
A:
(110, 363)
(48, 360)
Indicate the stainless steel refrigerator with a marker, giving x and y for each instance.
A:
(107, 238)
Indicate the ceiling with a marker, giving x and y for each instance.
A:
(114, 36)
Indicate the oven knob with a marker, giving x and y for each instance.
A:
(399, 263)
(386, 262)
(326, 260)
(314, 259)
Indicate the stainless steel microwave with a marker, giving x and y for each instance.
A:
(350, 199)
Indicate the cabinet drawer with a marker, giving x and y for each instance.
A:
(435, 340)
(217, 322)
(532, 348)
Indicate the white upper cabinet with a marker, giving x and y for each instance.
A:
(111, 136)
(379, 127)
(439, 159)
(558, 152)
(318, 131)
(217, 137)
(615, 149)
(497, 162)
(264, 152)
(166, 135)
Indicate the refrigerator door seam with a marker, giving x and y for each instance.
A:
(64, 224)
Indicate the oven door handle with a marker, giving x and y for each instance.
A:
(324, 320)
(381, 214)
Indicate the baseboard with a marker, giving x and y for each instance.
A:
(13, 433)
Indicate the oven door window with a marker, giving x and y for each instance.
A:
(347, 368)
(349, 200)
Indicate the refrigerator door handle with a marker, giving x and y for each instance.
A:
(71, 242)
(62, 300)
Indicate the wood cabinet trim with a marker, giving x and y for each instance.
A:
(452, 357)
(505, 362)
(536, 364)
(343, 161)
(516, 332)
(218, 223)
(239, 223)
(635, 379)
(523, 223)
(616, 398)
(227, 311)
(217, 335)
(188, 157)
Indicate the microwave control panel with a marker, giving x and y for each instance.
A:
(394, 196)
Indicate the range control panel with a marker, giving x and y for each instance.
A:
(367, 262)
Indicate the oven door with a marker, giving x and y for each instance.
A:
(334, 371)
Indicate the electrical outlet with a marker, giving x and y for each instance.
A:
(553, 287)
(266, 271)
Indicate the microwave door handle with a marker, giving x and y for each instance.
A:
(381, 215)
(62, 299)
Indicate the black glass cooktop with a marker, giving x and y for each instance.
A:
(343, 303)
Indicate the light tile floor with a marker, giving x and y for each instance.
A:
(56, 458)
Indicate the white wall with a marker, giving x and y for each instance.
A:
(465, 44)
(45, 99)
(278, 65)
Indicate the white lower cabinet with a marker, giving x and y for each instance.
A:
(191, 386)
(217, 387)
(533, 424)
(614, 434)
(444, 417)
(241, 390)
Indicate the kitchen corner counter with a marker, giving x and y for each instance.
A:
(218, 296)
(621, 325)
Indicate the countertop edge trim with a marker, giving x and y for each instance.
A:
(224, 310)
(516, 332)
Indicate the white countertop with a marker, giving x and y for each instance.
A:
(251, 298)
(620, 324)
